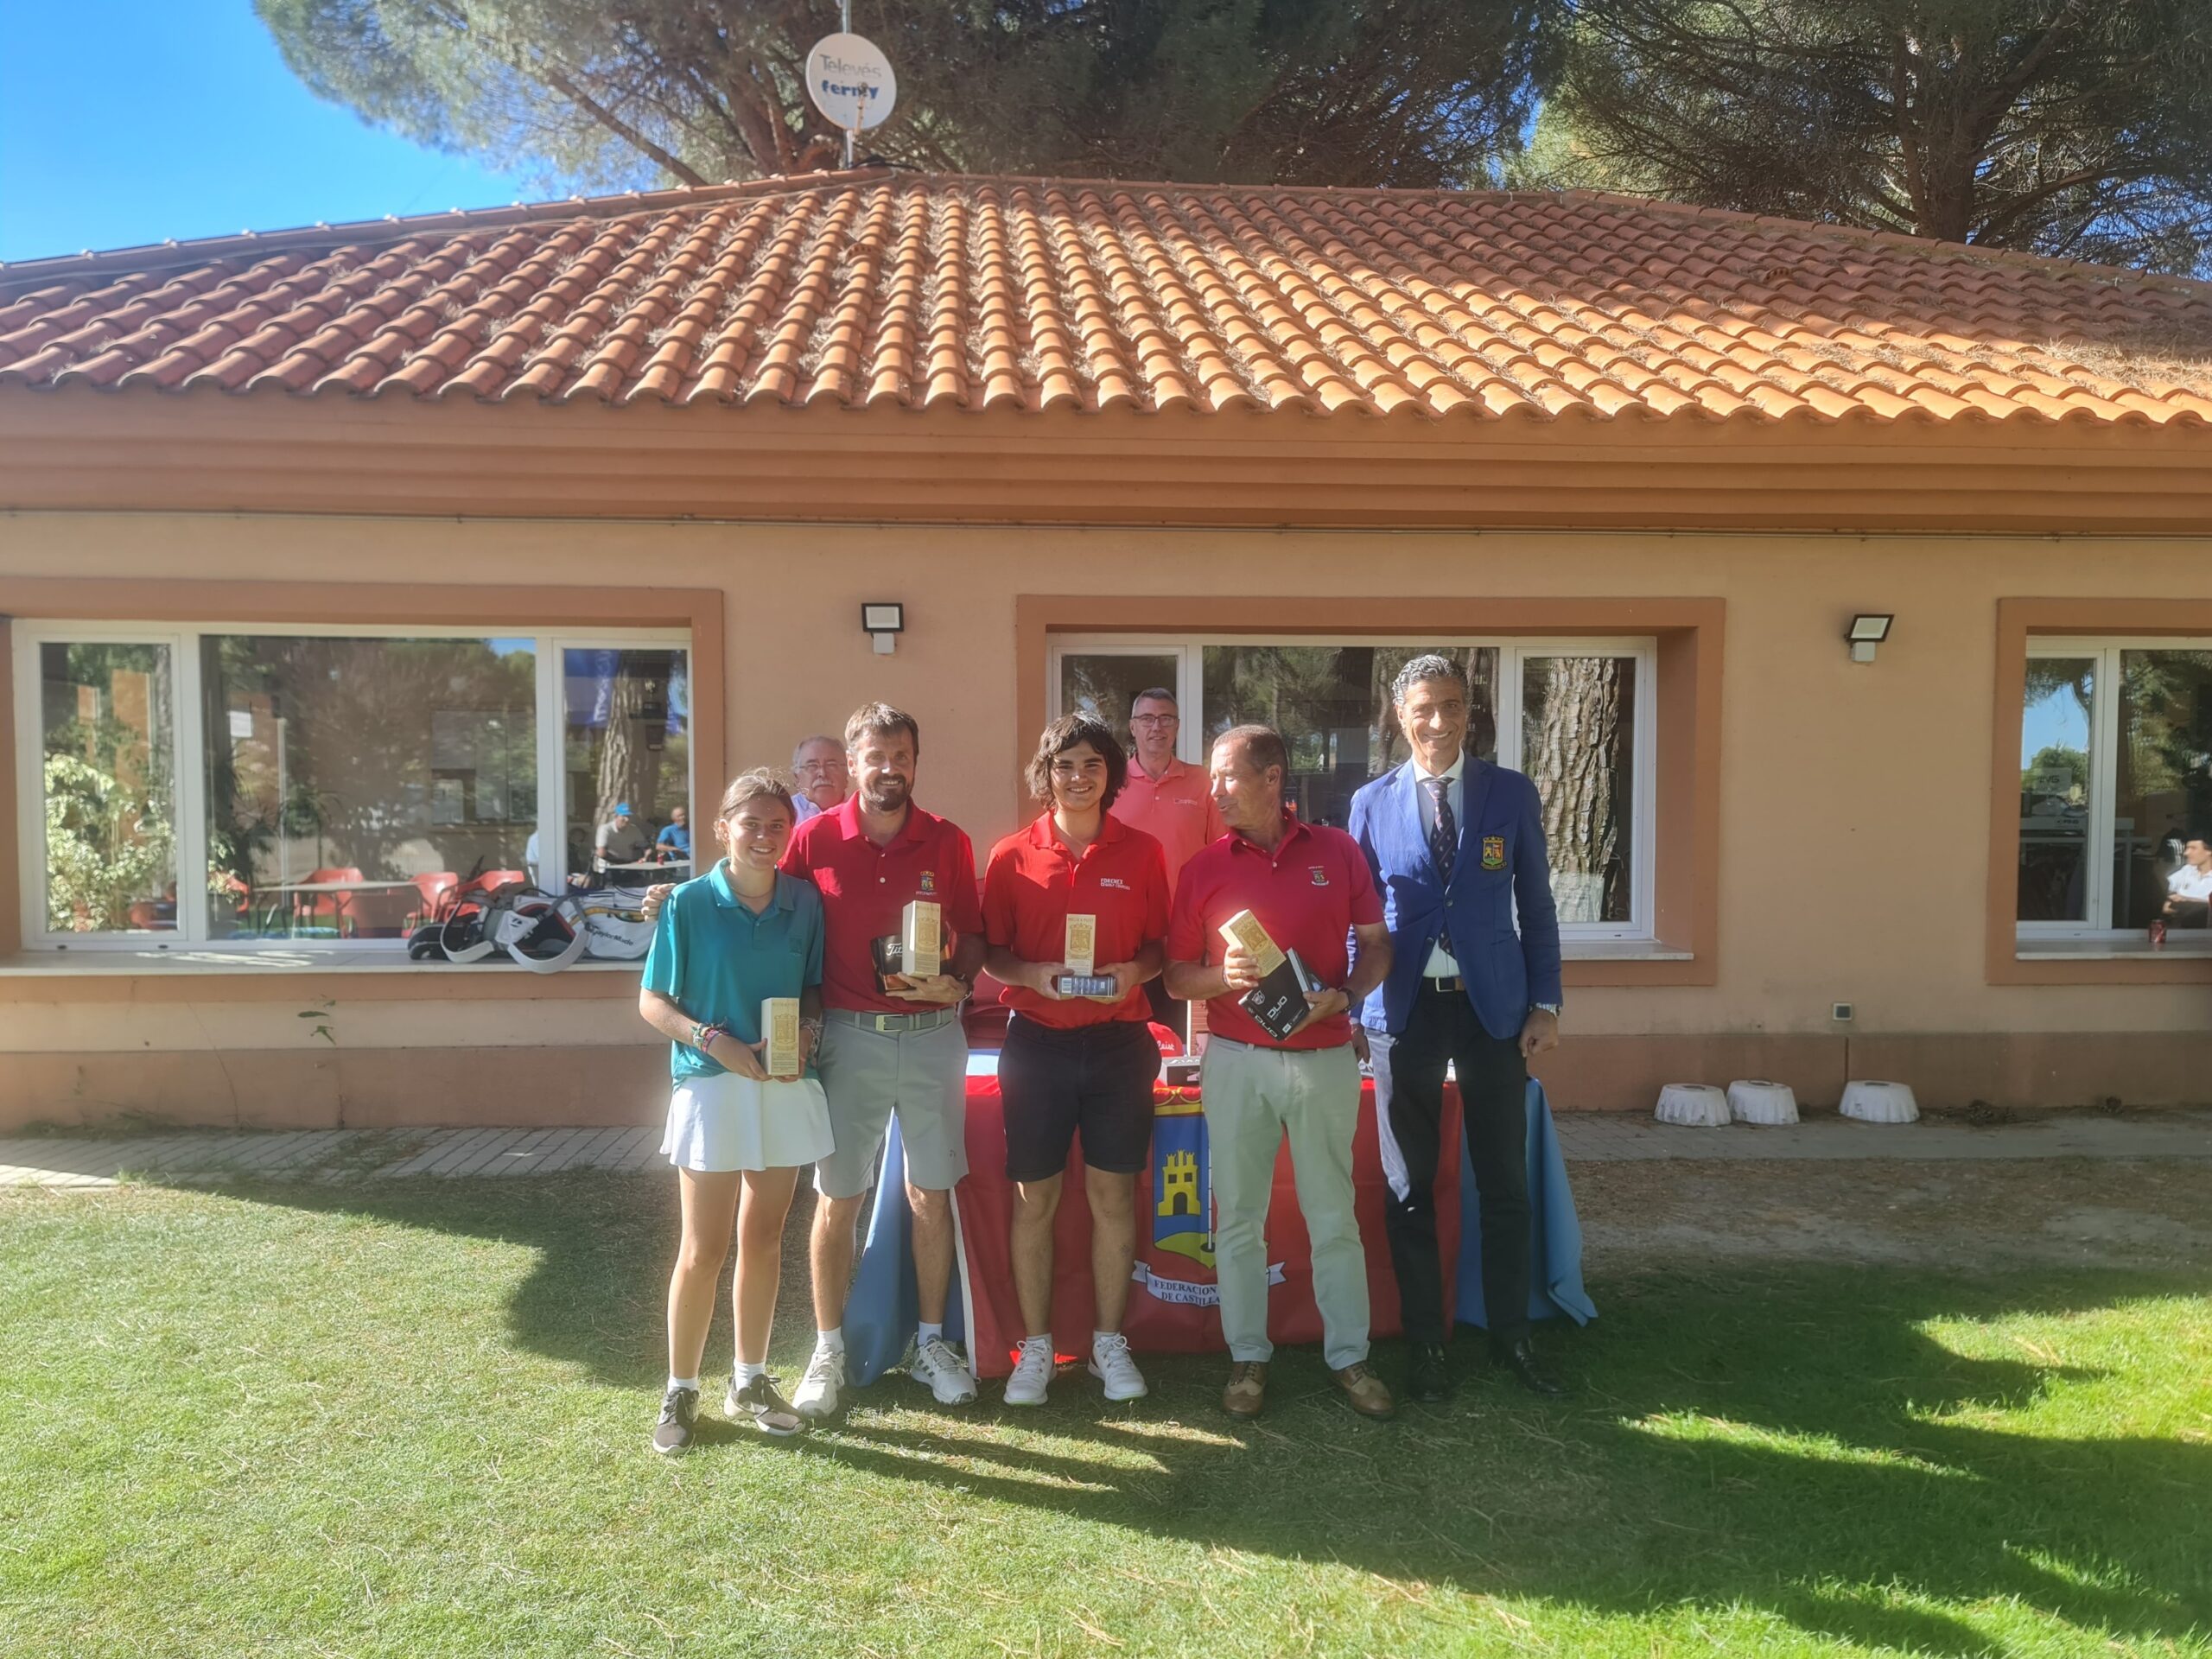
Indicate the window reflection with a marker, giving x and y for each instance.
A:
(105, 720)
(1577, 744)
(2055, 728)
(352, 782)
(1332, 703)
(626, 746)
(2162, 782)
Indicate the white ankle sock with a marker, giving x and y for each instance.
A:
(690, 1383)
(1044, 1342)
(745, 1373)
(928, 1332)
(831, 1341)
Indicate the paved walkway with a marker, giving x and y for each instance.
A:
(369, 1154)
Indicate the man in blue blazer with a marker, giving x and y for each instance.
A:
(1458, 846)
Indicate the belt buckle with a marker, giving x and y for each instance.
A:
(882, 1022)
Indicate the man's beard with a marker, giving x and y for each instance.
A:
(887, 796)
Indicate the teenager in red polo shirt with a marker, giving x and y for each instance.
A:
(1310, 887)
(1171, 802)
(900, 1050)
(1074, 1062)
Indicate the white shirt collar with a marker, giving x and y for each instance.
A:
(1451, 773)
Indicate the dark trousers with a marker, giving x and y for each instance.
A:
(1408, 1111)
(1176, 1016)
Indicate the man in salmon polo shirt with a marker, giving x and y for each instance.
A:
(885, 1051)
(1309, 886)
(1169, 801)
(1075, 1060)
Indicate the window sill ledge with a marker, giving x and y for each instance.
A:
(1621, 950)
(2128, 949)
(210, 973)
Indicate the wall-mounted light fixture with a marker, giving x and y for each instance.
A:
(883, 622)
(1867, 630)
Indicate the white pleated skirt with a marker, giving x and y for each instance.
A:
(725, 1123)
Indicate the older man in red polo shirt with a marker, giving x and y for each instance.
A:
(1074, 1061)
(1310, 888)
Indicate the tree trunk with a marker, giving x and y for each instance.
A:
(627, 768)
(1578, 757)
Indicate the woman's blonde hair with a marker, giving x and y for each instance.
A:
(751, 787)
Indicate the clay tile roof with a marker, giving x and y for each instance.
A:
(874, 288)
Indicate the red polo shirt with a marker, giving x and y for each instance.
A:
(1175, 809)
(865, 889)
(1033, 882)
(1309, 893)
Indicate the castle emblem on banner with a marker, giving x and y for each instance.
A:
(1182, 1188)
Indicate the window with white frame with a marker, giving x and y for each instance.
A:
(2116, 785)
(287, 784)
(1577, 716)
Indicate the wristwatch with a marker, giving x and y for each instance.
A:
(1552, 1009)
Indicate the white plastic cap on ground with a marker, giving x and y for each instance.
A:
(1754, 1100)
(1696, 1105)
(1880, 1102)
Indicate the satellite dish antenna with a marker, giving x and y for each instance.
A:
(850, 81)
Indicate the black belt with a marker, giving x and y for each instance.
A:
(1451, 986)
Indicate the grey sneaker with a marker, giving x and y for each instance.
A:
(938, 1364)
(816, 1395)
(679, 1413)
(759, 1403)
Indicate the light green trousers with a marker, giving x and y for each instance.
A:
(1252, 1097)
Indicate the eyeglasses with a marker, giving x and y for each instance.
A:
(1155, 719)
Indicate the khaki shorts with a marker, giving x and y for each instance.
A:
(922, 1075)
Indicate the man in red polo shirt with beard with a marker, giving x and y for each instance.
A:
(1075, 1061)
(1310, 888)
(885, 1051)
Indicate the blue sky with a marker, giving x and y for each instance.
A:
(129, 121)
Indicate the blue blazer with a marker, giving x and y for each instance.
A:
(1500, 865)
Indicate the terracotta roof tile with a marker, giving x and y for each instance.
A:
(874, 289)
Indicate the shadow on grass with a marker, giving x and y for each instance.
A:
(1789, 1438)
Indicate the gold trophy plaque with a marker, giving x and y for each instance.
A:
(922, 940)
(1081, 955)
(779, 1027)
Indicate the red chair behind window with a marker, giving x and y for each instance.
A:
(331, 910)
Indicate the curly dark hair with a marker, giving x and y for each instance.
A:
(1065, 734)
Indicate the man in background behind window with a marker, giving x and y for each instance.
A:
(673, 844)
(818, 763)
(619, 840)
(2189, 889)
(1173, 802)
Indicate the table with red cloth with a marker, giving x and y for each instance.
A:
(1173, 1304)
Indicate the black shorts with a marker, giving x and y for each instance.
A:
(1096, 1078)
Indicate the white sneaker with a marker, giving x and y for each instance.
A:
(1032, 1375)
(948, 1376)
(1111, 1364)
(816, 1394)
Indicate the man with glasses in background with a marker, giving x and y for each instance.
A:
(818, 763)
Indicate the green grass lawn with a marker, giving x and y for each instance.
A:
(412, 1419)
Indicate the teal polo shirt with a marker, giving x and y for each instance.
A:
(718, 960)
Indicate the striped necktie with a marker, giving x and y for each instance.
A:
(1443, 830)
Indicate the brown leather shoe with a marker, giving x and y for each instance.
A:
(1247, 1388)
(1368, 1397)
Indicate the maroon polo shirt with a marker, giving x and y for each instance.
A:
(1309, 893)
(1033, 882)
(865, 889)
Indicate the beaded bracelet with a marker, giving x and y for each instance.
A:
(702, 1037)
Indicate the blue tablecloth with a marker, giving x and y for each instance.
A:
(881, 1313)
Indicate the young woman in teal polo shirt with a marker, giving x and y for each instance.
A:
(738, 1137)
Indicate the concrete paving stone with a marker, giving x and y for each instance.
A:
(430, 1148)
(572, 1152)
(269, 1148)
(460, 1151)
(477, 1159)
(525, 1153)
